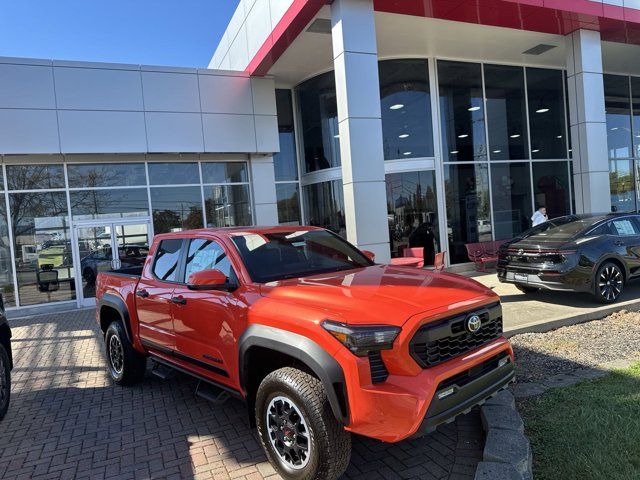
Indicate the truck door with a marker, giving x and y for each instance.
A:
(154, 296)
(204, 320)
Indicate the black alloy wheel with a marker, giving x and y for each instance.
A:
(609, 283)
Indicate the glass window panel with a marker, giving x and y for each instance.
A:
(324, 206)
(285, 162)
(42, 245)
(551, 188)
(412, 209)
(224, 172)
(206, 255)
(506, 112)
(319, 122)
(177, 173)
(227, 205)
(165, 266)
(622, 186)
(462, 111)
(176, 209)
(6, 271)
(32, 177)
(405, 101)
(511, 190)
(288, 195)
(120, 203)
(546, 113)
(635, 92)
(468, 208)
(617, 104)
(106, 175)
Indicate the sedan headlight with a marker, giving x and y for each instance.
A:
(362, 339)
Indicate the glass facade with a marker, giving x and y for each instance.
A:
(286, 163)
(324, 203)
(46, 201)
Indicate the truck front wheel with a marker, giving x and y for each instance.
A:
(126, 366)
(297, 428)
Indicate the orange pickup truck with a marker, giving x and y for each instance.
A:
(317, 339)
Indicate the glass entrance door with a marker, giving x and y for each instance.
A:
(107, 246)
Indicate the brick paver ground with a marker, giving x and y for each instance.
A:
(67, 420)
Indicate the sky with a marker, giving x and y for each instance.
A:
(150, 32)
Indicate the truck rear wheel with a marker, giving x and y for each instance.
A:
(297, 428)
(126, 366)
(5, 382)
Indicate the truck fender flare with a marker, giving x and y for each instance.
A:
(115, 302)
(323, 365)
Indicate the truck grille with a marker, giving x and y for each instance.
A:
(438, 342)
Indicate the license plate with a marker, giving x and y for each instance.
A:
(520, 277)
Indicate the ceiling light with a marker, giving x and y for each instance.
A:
(404, 135)
(473, 109)
(397, 106)
(515, 135)
(542, 110)
(559, 136)
(535, 151)
(463, 135)
(337, 135)
(453, 152)
(407, 153)
(613, 129)
(497, 151)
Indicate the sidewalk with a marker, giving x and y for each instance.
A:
(547, 310)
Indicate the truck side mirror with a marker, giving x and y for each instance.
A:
(208, 280)
(370, 255)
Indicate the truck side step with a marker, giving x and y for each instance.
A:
(212, 394)
(163, 372)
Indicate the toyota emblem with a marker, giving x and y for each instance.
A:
(474, 323)
(521, 251)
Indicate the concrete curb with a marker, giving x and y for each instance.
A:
(507, 453)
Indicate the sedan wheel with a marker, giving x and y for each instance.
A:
(609, 283)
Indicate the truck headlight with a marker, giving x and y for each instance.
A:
(362, 339)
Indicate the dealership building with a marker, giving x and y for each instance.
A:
(367, 117)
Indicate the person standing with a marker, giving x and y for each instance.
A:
(540, 216)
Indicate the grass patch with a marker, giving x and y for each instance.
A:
(588, 431)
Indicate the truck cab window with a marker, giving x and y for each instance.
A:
(165, 266)
(206, 255)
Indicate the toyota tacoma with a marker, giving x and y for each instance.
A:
(318, 340)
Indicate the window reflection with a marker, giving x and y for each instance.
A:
(42, 246)
(32, 177)
(227, 205)
(324, 206)
(468, 207)
(622, 186)
(618, 111)
(462, 111)
(551, 188)
(288, 195)
(94, 204)
(177, 173)
(106, 175)
(176, 208)
(506, 112)
(6, 271)
(635, 97)
(224, 172)
(511, 190)
(405, 101)
(546, 113)
(285, 162)
(319, 122)
(412, 209)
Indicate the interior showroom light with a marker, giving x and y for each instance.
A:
(497, 151)
(404, 135)
(463, 135)
(453, 152)
(473, 109)
(407, 153)
(515, 135)
(535, 151)
(542, 110)
(397, 106)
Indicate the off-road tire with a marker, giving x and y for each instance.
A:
(5, 373)
(127, 367)
(608, 271)
(330, 443)
(527, 290)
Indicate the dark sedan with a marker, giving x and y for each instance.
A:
(578, 253)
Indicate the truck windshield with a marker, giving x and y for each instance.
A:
(277, 256)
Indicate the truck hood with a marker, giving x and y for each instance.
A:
(380, 294)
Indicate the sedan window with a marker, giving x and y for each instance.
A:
(624, 227)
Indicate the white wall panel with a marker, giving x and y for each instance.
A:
(98, 89)
(264, 96)
(28, 131)
(225, 94)
(228, 133)
(26, 86)
(238, 51)
(174, 132)
(170, 92)
(278, 9)
(258, 26)
(267, 138)
(109, 132)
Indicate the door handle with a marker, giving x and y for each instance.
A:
(179, 300)
(619, 243)
(142, 293)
